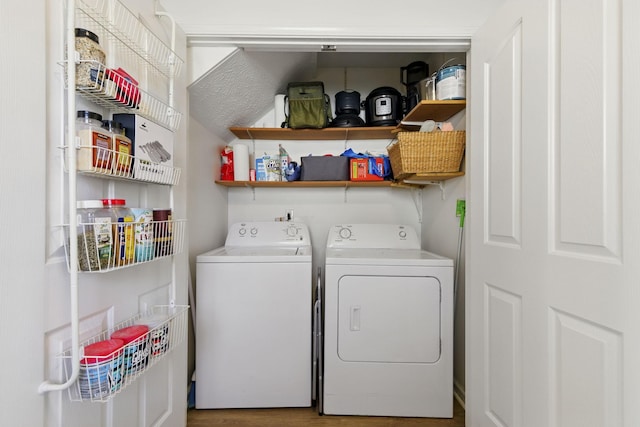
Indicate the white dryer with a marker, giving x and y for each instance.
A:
(388, 324)
(253, 323)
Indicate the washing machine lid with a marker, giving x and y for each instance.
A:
(385, 257)
(253, 254)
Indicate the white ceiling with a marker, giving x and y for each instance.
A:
(239, 90)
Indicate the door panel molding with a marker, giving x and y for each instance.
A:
(585, 130)
(503, 142)
(503, 358)
(585, 374)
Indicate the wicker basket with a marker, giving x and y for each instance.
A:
(426, 152)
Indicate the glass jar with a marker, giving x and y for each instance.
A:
(96, 144)
(90, 69)
(95, 241)
(163, 232)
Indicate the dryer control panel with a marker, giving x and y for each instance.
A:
(373, 236)
(268, 234)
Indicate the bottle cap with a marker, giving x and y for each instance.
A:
(113, 202)
(88, 204)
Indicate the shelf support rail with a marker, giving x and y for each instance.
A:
(172, 62)
(172, 59)
(48, 386)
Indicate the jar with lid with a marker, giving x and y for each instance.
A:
(163, 232)
(95, 240)
(90, 69)
(123, 231)
(122, 149)
(95, 152)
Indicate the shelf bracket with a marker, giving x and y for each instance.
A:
(253, 191)
(416, 195)
(440, 185)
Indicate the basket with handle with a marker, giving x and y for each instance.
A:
(426, 152)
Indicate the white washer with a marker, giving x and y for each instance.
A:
(388, 324)
(253, 323)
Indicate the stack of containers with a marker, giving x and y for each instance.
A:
(101, 369)
(158, 333)
(135, 339)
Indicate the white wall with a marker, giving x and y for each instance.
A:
(22, 211)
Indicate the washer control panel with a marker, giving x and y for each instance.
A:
(392, 236)
(268, 234)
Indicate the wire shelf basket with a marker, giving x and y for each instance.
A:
(103, 248)
(138, 343)
(106, 88)
(122, 30)
(110, 164)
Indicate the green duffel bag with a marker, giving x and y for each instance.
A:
(306, 106)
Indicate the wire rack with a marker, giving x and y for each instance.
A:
(129, 44)
(110, 164)
(103, 248)
(110, 90)
(121, 28)
(103, 376)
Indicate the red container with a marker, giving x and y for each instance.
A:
(101, 369)
(127, 91)
(362, 169)
(136, 347)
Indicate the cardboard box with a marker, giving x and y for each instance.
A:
(152, 149)
(268, 168)
(324, 168)
(362, 169)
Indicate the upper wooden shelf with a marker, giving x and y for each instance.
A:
(438, 111)
(336, 134)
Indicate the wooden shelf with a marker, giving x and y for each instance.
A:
(438, 111)
(335, 134)
(427, 178)
(412, 180)
(304, 184)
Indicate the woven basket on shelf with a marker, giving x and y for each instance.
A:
(426, 152)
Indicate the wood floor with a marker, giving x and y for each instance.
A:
(284, 417)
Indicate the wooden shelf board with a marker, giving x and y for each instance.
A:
(303, 184)
(376, 132)
(438, 111)
(429, 177)
(416, 179)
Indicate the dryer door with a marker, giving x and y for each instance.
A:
(388, 319)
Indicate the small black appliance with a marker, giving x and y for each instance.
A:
(347, 109)
(383, 107)
(411, 77)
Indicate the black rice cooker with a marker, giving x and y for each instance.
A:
(383, 107)
(347, 102)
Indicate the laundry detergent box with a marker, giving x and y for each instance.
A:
(268, 168)
(367, 169)
(152, 149)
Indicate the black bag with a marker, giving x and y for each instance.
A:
(306, 106)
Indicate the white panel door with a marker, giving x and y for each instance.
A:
(552, 283)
